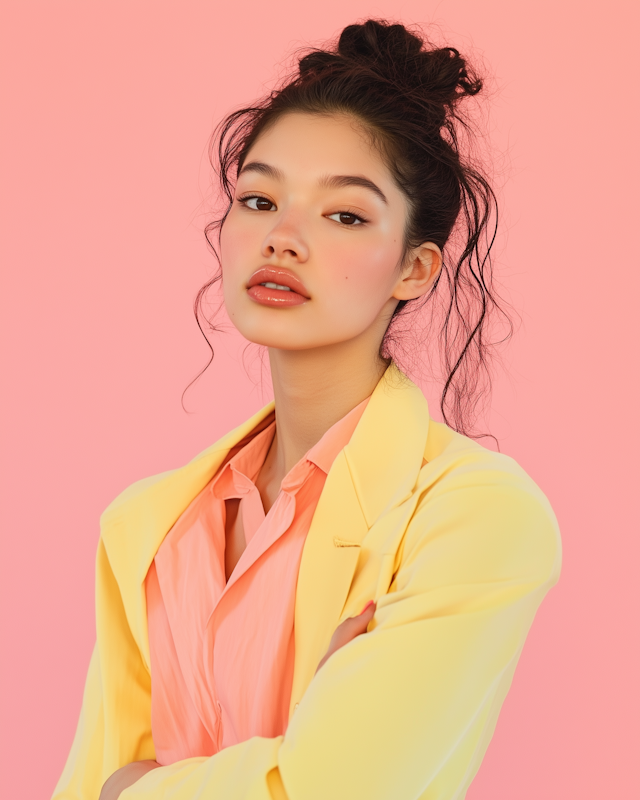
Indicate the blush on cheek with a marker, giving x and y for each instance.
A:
(228, 245)
(233, 255)
(372, 273)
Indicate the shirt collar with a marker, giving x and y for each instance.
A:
(239, 474)
(241, 471)
(323, 453)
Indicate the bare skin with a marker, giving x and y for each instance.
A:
(345, 632)
(344, 242)
(125, 777)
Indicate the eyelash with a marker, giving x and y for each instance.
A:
(243, 201)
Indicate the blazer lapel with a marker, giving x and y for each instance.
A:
(374, 474)
(329, 558)
(134, 525)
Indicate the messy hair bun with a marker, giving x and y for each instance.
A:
(398, 59)
(406, 94)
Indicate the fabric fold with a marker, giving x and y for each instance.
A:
(222, 652)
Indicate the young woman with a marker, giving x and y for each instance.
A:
(330, 601)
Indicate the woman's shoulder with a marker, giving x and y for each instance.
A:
(134, 490)
(484, 489)
(474, 506)
(450, 458)
(153, 489)
(188, 478)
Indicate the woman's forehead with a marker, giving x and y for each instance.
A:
(299, 147)
(315, 136)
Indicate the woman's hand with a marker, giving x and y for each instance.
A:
(125, 777)
(344, 633)
(349, 629)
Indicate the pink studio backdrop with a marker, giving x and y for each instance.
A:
(107, 109)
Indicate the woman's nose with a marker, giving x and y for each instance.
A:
(284, 241)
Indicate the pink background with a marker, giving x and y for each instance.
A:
(107, 109)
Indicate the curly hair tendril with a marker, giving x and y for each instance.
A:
(406, 95)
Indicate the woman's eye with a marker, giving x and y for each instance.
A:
(345, 218)
(257, 203)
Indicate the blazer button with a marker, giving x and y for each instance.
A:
(296, 706)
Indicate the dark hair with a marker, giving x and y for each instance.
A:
(406, 95)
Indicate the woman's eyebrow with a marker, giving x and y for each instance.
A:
(328, 182)
(339, 181)
(263, 169)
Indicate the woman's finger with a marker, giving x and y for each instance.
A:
(348, 630)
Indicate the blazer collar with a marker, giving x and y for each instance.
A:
(385, 452)
(374, 473)
(135, 523)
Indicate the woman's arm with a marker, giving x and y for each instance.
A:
(114, 726)
(407, 710)
(346, 632)
(125, 777)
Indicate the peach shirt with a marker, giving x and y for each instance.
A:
(222, 653)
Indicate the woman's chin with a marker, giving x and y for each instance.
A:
(278, 334)
(294, 341)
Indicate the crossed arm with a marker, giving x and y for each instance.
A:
(405, 711)
(126, 776)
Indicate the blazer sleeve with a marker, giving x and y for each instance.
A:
(115, 720)
(407, 710)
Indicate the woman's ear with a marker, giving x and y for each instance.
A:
(423, 265)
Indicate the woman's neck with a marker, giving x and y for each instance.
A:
(313, 389)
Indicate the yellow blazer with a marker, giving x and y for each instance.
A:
(456, 544)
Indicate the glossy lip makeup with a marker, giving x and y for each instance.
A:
(277, 287)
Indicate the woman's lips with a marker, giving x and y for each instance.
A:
(273, 286)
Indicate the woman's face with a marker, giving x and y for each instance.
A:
(317, 213)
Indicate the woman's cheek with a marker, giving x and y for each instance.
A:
(233, 256)
(231, 244)
(367, 273)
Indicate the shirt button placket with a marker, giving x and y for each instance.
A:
(219, 731)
